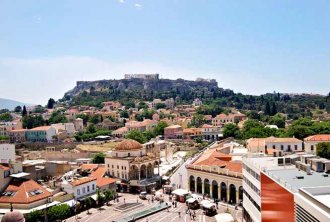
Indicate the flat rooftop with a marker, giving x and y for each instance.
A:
(320, 194)
(289, 178)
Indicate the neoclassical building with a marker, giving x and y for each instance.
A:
(217, 175)
(135, 165)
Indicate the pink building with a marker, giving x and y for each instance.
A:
(173, 132)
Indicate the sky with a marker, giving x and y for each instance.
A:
(250, 46)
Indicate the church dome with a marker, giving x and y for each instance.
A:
(128, 144)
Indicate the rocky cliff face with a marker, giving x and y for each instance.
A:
(164, 85)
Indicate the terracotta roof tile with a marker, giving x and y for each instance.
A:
(319, 137)
(82, 181)
(100, 179)
(89, 166)
(22, 190)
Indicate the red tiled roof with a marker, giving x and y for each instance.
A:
(82, 181)
(23, 189)
(89, 166)
(214, 157)
(40, 128)
(207, 126)
(100, 179)
(319, 137)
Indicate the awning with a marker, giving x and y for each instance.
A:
(224, 217)
(180, 192)
(191, 200)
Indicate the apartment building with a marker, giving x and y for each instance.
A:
(264, 145)
(279, 188)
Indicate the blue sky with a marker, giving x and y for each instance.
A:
(250, 46)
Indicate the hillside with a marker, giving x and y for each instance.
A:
(215, 99)
(10, 104)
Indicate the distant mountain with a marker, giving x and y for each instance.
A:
(11, 104)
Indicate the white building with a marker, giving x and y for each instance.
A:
(256, 145)
(312, 141)
(312, 204)
(284, 189)
(68, 127)
(7, 153)
(80, 188)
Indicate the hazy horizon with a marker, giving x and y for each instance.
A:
(250, 47)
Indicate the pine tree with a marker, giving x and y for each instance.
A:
(24, 112)
(267, 109)
(274, 109)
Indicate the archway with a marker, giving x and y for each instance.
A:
(143, 172)
(150, 171)
(199, 185)
(232, 194)
(134, 173)
(207, 187)
(192, 184)
(240, 193)
(223, 192)
(215, 188)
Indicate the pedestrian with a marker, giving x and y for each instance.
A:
(179, 214)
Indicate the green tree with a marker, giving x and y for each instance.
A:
(231, 130)
(39, 109)
(124, 114)
(159, 129)
(59, 212)
(51, 103)
(108, 195)
(267, 108)
(84, 117)
(91, 128)
(160, 106)
(277, 120)
(148, 135)
(142, 105)
(198, 120)
(137, 136)
(33, 121)
(57, 117)
(6, 117)
(18, 109)
(24, 112)
(35, 216)
(323, 150)
(95, 119)
(99, 158)
(88, 204)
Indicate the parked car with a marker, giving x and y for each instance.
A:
(143, 195)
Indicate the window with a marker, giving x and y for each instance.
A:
(295, 147)
(312, 147)
(118, 167)
(282, 147)
(84, 190)
(87, 188)
(93, 186)
(129, 154)
(108, 166)
(273, 146)
(113, 166)
(289, 147)
(78, 191)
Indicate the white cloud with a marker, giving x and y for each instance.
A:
(36, 80)
(138, 6)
